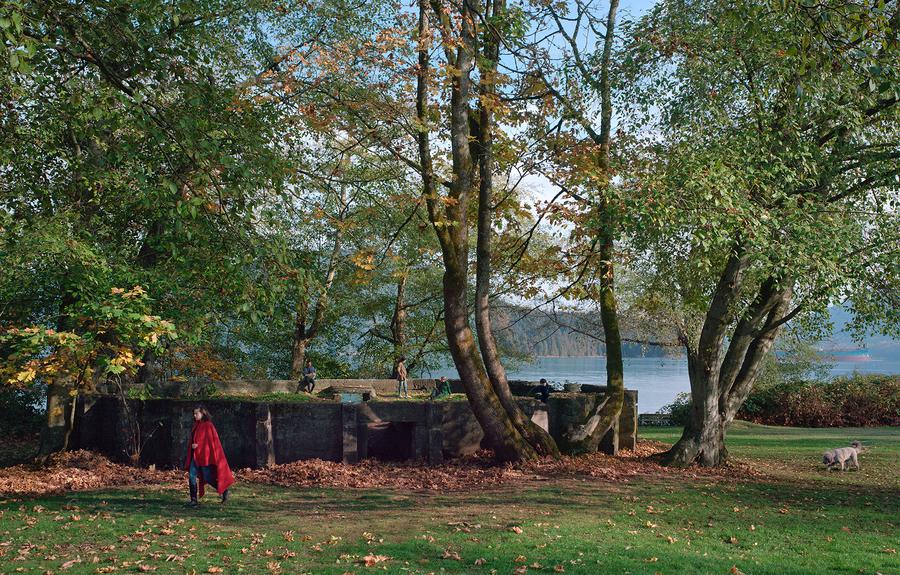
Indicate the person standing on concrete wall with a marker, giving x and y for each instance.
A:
(402, 389)
(206, 461)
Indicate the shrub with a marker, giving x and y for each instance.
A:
(679, 410)
(854, 401)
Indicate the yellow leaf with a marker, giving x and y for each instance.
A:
(26, 375)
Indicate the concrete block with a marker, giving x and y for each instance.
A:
(435, 441)
(265, 443)
(349, 433)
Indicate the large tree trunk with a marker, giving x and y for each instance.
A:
(449, 222)
(398, 321)
(304, 334)
(298, 357)
(605, 417)
(537, 437)
(703, 438)
(499, 429)
(55, 431)
(719, 388)
(57, 425)
(586, 438)
(151, 372)
(300, 340)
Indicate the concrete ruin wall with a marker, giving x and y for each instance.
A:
(258, 434)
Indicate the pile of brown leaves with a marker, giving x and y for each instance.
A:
(77, 471)
(455, 475)
(478, 471)
(643, 461)
(84, 470)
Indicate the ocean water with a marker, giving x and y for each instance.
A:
(657, 380)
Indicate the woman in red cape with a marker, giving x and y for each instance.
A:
(206, 461)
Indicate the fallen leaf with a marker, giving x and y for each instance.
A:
(371, 560)
(516, 529)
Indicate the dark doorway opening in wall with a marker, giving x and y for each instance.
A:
(390, 440)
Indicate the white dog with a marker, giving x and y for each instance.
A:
(842, 455)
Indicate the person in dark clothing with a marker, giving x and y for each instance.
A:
(542, 391)
(308, 382)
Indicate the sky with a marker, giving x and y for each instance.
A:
(636, 7)
(539, 187)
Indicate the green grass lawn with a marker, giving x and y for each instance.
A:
(797, 520)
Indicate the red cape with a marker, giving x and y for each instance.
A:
(209, 452)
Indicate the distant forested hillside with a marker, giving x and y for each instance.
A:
(565, 335)
(521, 333)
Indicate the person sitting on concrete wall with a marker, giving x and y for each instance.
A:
(308, 382)
(441, 388)
(542, 391)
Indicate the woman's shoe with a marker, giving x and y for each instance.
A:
(193, 502)
(225, 497)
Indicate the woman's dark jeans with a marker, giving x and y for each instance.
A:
(208, 472)
(209, 476)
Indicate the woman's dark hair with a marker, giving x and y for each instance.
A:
(204, 413)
